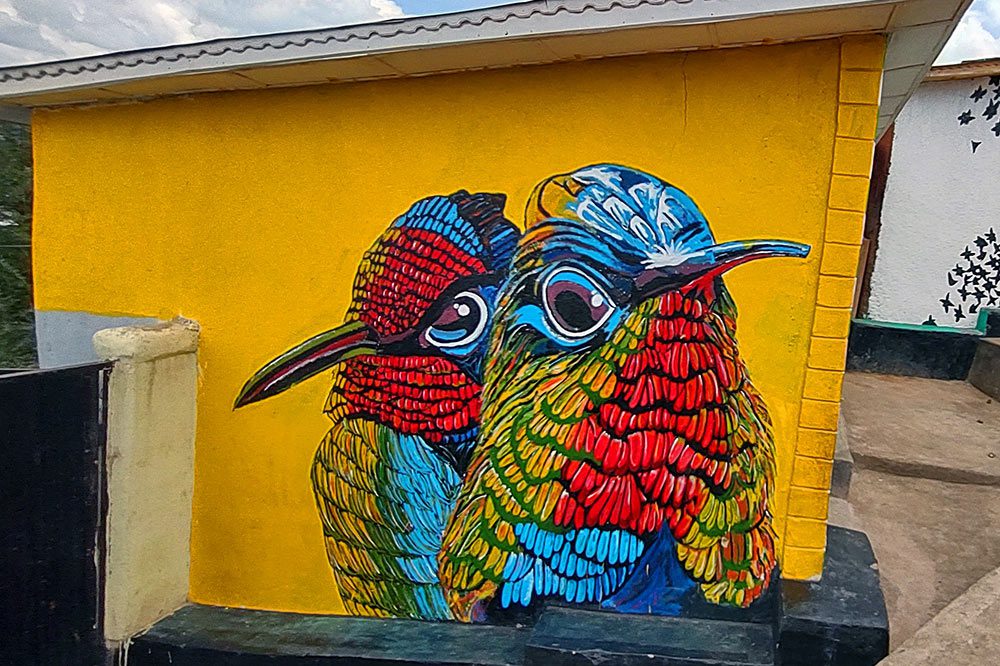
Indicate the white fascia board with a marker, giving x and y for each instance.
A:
(915, 41)
(530, 20)
(917, 32)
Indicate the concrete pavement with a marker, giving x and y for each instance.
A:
(926, 488)
(929, 428)
(963, 633)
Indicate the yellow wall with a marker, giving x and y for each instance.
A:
(249, 211)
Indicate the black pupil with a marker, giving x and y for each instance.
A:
(454, 320)
(574, 312)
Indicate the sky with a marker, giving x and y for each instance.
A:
(38, 30)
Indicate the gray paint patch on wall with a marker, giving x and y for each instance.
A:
(66, 338)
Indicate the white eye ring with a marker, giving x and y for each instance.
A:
(463, 311)
(598, 298)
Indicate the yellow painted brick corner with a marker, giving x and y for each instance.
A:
(832, 322)
(863, 53)
(809, 503)
(812, 473)
(805, 532)
(803, 563)
(820, 414)
(823, 384)
(853, 157)
(840, 260)
(816, 443)
(860, 87)
(835, 292)
(845, 226)
(859, 121)
(849, 192)
(828, 353)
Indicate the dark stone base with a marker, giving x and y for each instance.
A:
(840, 621)
(204, 635)
(570, 637)
(985, 372)
(915, 351)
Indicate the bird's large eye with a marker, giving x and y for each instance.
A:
(575, 305)
(462, 322)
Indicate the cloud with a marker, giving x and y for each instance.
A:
(977, 36)
(36, 30)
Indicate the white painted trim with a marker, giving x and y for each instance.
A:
(905, 76)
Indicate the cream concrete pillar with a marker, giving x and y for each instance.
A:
(150, 471)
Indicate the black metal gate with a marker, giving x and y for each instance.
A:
(52, 511)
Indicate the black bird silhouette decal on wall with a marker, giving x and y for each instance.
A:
(988, 95)
(975, 279)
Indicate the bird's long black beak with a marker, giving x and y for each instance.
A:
(308, 359)
(711, 262)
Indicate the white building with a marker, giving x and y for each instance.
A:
(937, 257)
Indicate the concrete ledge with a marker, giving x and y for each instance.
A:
(896, 425)
(210, 636)
(147, 343)
(913, 351)
(152, 397)
(842, 514)
(573, 637)
(921, 470)
(965, 632)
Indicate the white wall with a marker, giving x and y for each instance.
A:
(939, 198)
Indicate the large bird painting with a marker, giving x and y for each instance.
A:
(561, 415)
(621, 435)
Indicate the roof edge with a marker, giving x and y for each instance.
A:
(535, 19)
(526, 33)
(967, 69)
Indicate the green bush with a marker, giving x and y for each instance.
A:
(17, 337)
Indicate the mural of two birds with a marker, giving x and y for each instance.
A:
(562, 414)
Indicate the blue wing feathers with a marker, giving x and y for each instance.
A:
(579, 565)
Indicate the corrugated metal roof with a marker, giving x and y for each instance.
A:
(970, 69)
(541, 31)
(302, 38)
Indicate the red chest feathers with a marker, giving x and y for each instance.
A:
(669, 432)
(417, 395)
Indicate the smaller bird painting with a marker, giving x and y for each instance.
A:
(405, 401)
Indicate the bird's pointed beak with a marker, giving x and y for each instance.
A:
(307, 359)
(710, 262)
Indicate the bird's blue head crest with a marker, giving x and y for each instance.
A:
(603, 238)
(639, 216)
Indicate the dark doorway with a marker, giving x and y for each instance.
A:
(52, 508)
